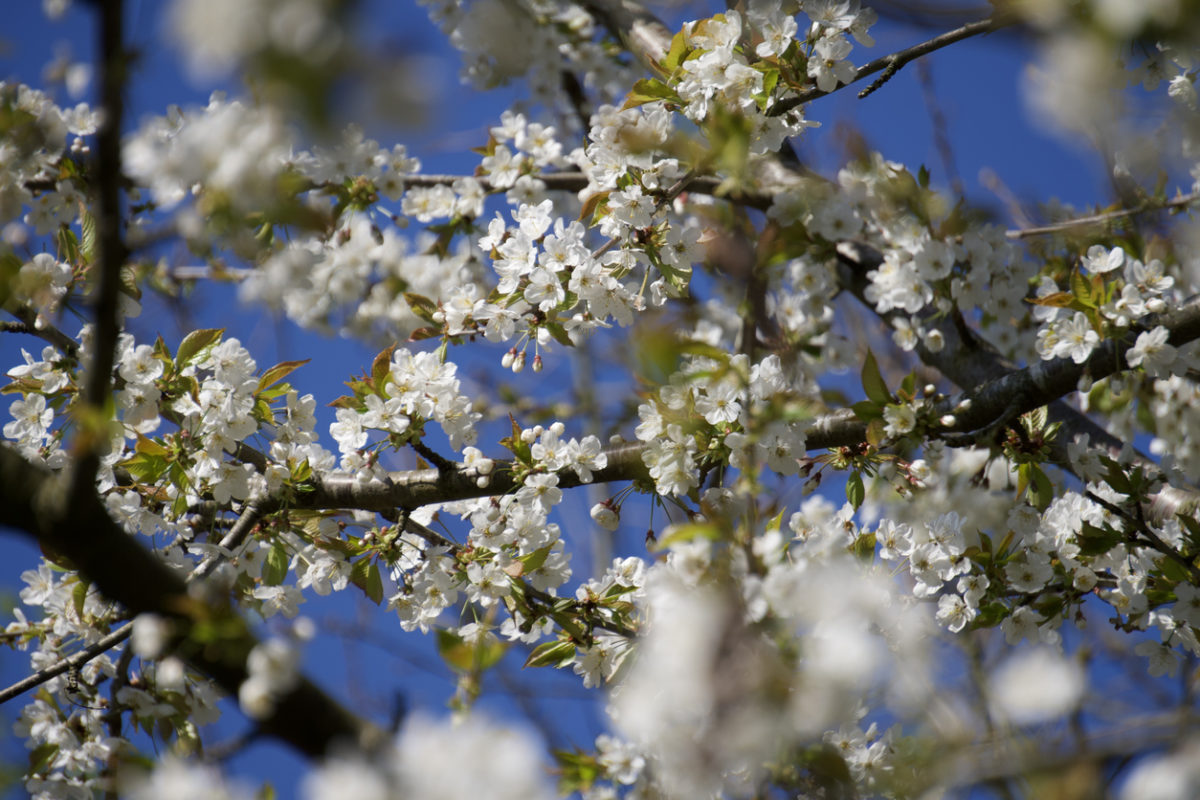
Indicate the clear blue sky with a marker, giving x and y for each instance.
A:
(977, 87)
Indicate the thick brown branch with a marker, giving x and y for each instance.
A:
(633, 25)
(111, 253)
(79, 529)
(991, 382)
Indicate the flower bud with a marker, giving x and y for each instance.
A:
(605, 516)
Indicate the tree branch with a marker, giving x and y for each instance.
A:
(1100, 219)
(110, 255)
(891, 64)
(991, 381)
(73, 661)
(635, 26)
(79, 528)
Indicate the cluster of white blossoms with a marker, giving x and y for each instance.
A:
(722, 685)
(555, 36)
(417, 387)
(428, 760)
(1121, 300)
(187, 153)
(511, 538)
(752, 640)
(690, 419)
(45, 131)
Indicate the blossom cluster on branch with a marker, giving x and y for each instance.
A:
(765, 637)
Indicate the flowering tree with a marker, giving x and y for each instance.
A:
(1005, 552)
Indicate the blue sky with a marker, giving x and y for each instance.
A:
(977, 85)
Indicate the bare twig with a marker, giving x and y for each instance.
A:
(74, 661)
(890, 64)
(1062, 226)
(28, 319)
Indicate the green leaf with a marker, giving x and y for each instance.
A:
(559, 333)
(533, 561)
(146, 468)
(274, 569)
(923, 177)
(364, 574)
(678, 276)
(990, 615)
(374, 588)
(647, 90)
(196, 345)
(381, 367)
(1175, 572)
(466, 656)
(422, 306)
(551, 654)
(864, 546)
(41, 756)
(872, 381)
(867, 410)
(68, 246)
(1055, 300)
(592, 203)
(1192, 530)
(687, 532)
(278, 373)
(1041, 493)
(676, 54)
(79, 596)
(876, 432)
(855, 492)
(1094, 541)
(577, 771)
(150, 447)
(1081, 287)
(87, 224)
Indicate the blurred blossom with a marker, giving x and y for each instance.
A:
(219, 35)
(177, 779)
(469, 757)
(1037, 685)
(1172, 776)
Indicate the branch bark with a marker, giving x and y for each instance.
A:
(991, 381)
(33, 500)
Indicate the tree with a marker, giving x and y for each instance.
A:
(993, 554)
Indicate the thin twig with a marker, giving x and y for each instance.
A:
(28, 318)
(1153, 539)
(1099, 219)
(891, 64)
(73, 661)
